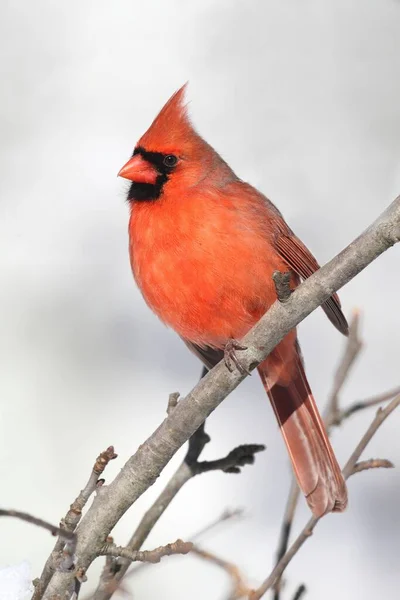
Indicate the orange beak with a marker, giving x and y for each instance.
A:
(137, 169)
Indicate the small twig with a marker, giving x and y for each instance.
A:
(151, 556)
(172, 402)
(352, 350)
(227, 515)
(70, 522)
(372, 463)
(282, 285)
(74, 514)
(196, 446)
(232, 462)
(188, 469)
(368, 403)
(333, 415)
(68, 536)
(301, 590)
(239, 588)
(381, 415)
(108, 585)
(286, 528)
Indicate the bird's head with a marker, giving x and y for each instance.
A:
(169, 156)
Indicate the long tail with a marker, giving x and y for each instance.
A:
(314, 462)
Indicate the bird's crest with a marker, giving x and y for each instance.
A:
(171, 128)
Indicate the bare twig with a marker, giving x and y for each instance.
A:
(368, 403)
(286, 528)
(74, 514)
(348, 470)
(172, 402)
(106, 581)
(227, 515)
(143, 468)
(282, 285)
(301, 590)
(381, 415)
(188, 469)
(352, 350)
(239, 588)
(151, 556)
(109, 583)
(197, 443)
(333, 415)
(372, 463)
(69, 523)
(68, 536)
(237, 458)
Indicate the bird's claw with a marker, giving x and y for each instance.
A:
(230, 358)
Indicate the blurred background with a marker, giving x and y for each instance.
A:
(302, 100)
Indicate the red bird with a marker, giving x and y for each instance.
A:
(203, 248)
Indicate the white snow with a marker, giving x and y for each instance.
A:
(16, 581)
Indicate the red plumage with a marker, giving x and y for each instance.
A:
(203, 248)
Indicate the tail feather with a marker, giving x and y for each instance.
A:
(314, 462)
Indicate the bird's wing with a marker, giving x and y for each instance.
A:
(300, 259)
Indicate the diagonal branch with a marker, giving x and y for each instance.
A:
(190, 467)
(333, 415)
(69, 524)
(143, 468)
(286, 528)
(239, 588)
(352, 350)
(227, 515)
(301, 590)
(67, 536)
(348, 470)
(368, 403)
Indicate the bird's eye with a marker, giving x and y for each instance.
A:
(170, 160)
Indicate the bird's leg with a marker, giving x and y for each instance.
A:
(230, 358)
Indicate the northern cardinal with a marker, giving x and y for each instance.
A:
(203, 248)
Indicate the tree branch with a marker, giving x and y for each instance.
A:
(239, 588)
(335, 416)
(143, 468)
(188, 469)
(348, 470)
(237, 458)
(352, 350)
(69, 524)
(363, 404)
(227, 515)
(372, 463)
(151, 556)
(67, 536)
(66, 558)
(301, 590)
(332, 415)
(286, 528)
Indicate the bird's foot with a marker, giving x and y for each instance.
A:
(230, 358)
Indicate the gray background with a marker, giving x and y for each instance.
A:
(302, 99)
